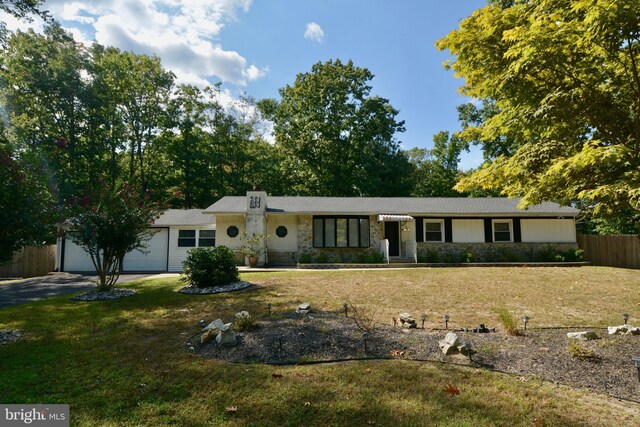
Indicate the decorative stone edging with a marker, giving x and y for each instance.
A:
(425, 264)
(193, 290)
(9, 336)
(111, 294)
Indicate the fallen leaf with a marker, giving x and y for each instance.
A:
(307, 403)
(538, 422)
(274, 375)
(396, 353)
(231, 409)
(523, 379)
(451, 390)
(371, 422)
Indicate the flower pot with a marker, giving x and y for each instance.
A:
(253, 261)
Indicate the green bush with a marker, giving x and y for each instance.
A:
(508, 320)
(205, 267)
(305, 258)
(323, 258)
(432, 256)
(367, 257)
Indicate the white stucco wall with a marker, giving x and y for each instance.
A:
(467, 230)
(289, 243)
(548, 230)
(223, 222)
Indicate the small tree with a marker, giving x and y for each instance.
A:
(108, 225)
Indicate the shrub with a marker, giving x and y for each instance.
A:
(580, 351)
(205, 267)
(364, 317)
(322, 258)
(305, 258)
(245, 323)
(367, 257)
(432, 256)
(508, 321)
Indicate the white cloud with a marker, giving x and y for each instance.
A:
(183, 33)
(314, 32)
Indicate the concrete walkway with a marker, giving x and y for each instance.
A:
(20, 291)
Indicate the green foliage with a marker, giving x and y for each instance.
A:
(432, 256)
(245, 323)
(563, 83)
(367, 257)
(305, 258)
(108, 224)
(436, 170)
(208, 267)
(508, 321)
(27, 205)
(579, 350)
(334, 138)
(253, 245)
(323, 258)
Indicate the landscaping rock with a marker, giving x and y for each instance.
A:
(8, 336)
(623, 330)
(449, 345)
(207, 336)
(583, 336)
(216, 325)
(115, 293)
(236, 286)
(407, 321)
(226, 337)
(304, 308)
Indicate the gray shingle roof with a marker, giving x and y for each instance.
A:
(184, 217)
(393, 205)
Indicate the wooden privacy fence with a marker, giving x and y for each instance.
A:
(30, 262)
(612, 251)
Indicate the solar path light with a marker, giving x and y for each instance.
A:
(424, 318)
(446, 321)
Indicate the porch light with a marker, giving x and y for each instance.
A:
(446, 321)
(636, 361)
(424, 318)
(625, 316)
(345, 306)
(525, 320)
(365, 337)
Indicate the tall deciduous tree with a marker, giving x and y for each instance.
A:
(565, 77)
(335, 138)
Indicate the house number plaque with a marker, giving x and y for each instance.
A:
(254, 202)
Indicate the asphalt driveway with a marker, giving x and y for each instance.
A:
(20, 291)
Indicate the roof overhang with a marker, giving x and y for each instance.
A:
(389, 217)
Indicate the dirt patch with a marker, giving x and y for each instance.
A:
(540, 353)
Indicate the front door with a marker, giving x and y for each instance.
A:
(392, 234)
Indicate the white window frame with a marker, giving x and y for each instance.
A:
(197, 237)
(493, 229)
(433, 221)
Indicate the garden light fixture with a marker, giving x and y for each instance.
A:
(446, 321)
(625, 316)
(467, 347)
(636, 360)
(365, 337)
(525, 320)
(269, 308)
(202, 323)
(424, 318)
(346, 308)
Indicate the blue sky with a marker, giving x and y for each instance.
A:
(258, 46)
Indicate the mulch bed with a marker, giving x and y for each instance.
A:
(541, 353)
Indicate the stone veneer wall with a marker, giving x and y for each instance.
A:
(305, 240)
(489, 252)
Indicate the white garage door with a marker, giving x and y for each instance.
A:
(155, 258)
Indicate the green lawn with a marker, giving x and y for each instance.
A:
(123, 362)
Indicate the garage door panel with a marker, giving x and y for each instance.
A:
(154, 257)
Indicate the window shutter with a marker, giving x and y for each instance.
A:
(419, 229)
(488, 230)
(517, 233)
(448, 230)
